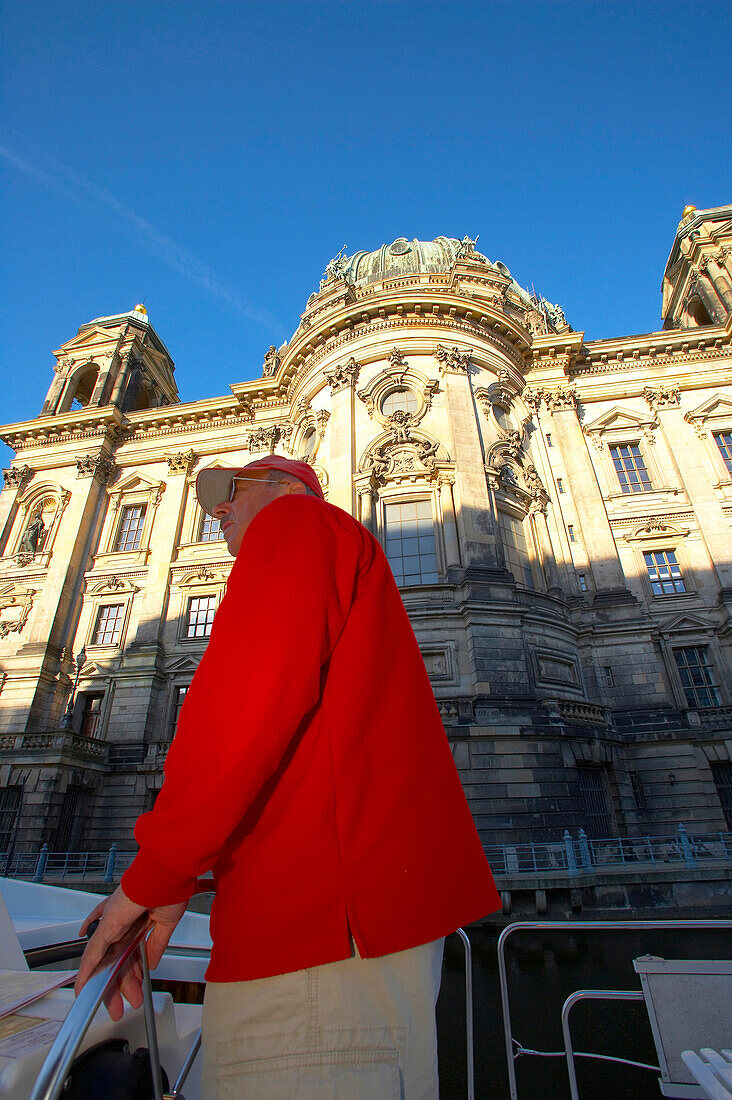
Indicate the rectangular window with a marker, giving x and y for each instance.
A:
(560, 485)
(201, 611)
(630, 468)
(697, 676)
(570, 532)
(410, 542)
(131, 524)
(91, 715)
(178, 697)
(663, 572)
(724, 442)
(10, 799)
(595, 801)
(609, 678)
(722, 776)
(582, 582)
(210, 529)
(549, 440)
(639, 795)
(73, 817)
(515, 548)
(109, 624)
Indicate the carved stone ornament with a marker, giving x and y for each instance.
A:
(512, 440)
(410, 459)
(181, 462)
(342, 376)
(396, 358)
(532, 398)
(560, 399)
(98, 466)
(335, 269)
(14, 476)
(466, 251)
(452, 360)
(662, 398)
(113, 584)
(265, 439)
(399, 424)
(271, 362)
(14, 611)
(322, 417)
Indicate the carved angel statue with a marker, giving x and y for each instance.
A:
(271, 362)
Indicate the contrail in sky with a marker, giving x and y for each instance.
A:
(72, 185)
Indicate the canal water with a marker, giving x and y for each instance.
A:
(543, 969)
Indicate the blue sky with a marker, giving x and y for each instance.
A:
(210, 157)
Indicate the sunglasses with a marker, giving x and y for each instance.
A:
(269, 480)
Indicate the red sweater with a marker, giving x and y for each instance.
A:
(310, 769)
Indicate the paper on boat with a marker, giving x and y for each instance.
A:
(22, 987)
(21, 1035)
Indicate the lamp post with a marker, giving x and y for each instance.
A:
(68, 717)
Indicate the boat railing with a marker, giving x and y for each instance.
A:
(572, 855)
(49, 1084)
(514, 1049)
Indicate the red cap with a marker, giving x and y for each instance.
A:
(214, 485)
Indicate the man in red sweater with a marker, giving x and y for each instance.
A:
(311, 774)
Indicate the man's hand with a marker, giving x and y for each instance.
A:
(119, 919)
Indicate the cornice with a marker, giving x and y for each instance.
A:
(433, 321)
(103, 422)
(671, 347)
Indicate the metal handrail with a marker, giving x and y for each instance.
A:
(572, 926)
(594, 995)
(468, 1010)
(55, 1069)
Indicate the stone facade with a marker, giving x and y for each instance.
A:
(557, 512)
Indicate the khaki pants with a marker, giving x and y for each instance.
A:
(359, 1029)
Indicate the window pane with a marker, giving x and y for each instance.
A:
(399, 399)
(132, 522)
(724, 442)
(178, 697)
(515, 548)
(630, 468)
(109, 624)
(201, 611)
(410, 542)
(663, 572)
(210, 529)
(697, 676)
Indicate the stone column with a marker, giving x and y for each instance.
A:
(693, 467)
(477, 518)
(342, 380)
(591, 512)
(14, 480)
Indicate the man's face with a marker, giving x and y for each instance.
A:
(249, 497)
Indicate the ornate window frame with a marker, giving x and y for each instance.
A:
(714, 415)
(187, 584)
(107, 592)
(135, 489)
(655, 535)
(307, 419)
(685, 630)
(398, 375)
(95, 679)
(620, 427)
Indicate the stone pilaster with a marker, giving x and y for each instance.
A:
(591, 512)
(342, 380)
(476, 513)
(693, 467)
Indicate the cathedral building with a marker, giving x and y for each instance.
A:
(556, 513)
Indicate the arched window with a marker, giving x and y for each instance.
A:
(307, 444)
(84, 388)
(698, 313)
